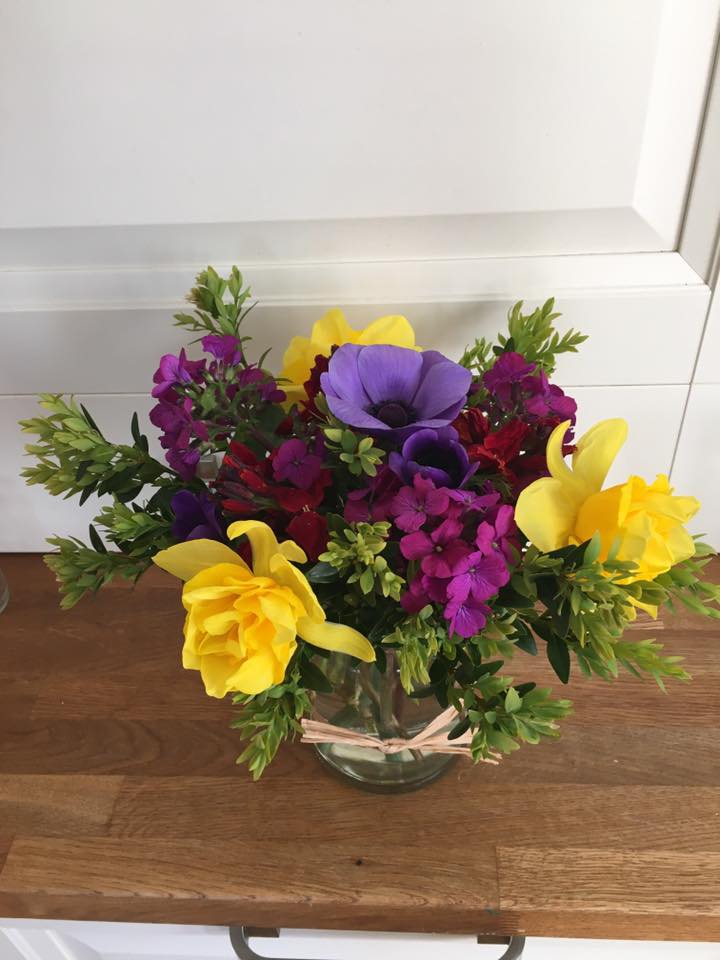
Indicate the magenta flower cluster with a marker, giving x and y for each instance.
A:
(459, 545)
(179, 383)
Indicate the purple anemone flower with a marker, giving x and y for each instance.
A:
(394, 391)
(435, 455)
(195, 517)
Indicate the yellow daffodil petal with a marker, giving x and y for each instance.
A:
(332, 328)
(546, 514)
(186, 560)
(337, 637)
(559, 470)
(596, 450)
(285, 573)
(395, 330)
(262, 540)
(294, 553)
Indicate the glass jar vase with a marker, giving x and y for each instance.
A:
(367, 701)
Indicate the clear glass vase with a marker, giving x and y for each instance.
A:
(367, 701)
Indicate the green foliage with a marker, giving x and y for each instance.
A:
(502, 716)
(357, 452)
(80, 569)
(135, 530)
(532, 335)
(74, 458)
(683, 584)
(354, 551)
(219, 302)
(416, 641)
(269, 718)
(587, 605)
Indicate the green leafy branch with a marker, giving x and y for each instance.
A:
(74, 458)
(683, 584)
(267, 719)
(532, 335)
(354, 553)
(358, 453)
(588, 605)
(219, 302)
(80, 569)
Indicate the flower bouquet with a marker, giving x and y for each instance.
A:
(365, 540)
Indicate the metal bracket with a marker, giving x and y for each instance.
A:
(239, 937)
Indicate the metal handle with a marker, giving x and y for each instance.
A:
(239, 937)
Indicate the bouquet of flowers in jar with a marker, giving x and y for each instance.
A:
(380, 501)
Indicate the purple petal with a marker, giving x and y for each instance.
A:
(343, 378)
(389, 373)
(443, 385)
(353, 415)
(467, 618)
(415, 546)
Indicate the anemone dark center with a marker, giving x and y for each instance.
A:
(393, 414)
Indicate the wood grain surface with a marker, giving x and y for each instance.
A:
(120, 798)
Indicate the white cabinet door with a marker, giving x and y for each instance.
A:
(78, 940)
(434, 159)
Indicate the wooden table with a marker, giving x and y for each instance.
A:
(120, 798)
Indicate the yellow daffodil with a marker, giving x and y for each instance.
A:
(334, 330)
(242, 624)
(570, 506)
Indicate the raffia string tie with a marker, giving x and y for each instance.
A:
(433, 739)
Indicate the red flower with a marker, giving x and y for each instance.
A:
(507, 442)
(472, 426)
(309, 530)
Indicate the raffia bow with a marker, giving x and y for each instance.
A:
(433, 739)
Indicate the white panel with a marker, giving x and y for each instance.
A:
(141, 941)
(286, 282)
(687, 34)
(654, 415)
(360, 109)
(697, 463)
(699, 243)
(116, 351)
(30, 514)
(708, 367)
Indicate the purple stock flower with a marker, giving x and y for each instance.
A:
(509, 368)
(411, 506)
(469, 500)
(225, 348)
(439, 552)
(294, 462)
(174, 371)
(479, 576)
(548, 400)
(195, 517)
(267, 388)
(434, 454)
(467, 617)
(179, 430)
(500, 534)
(392, 390)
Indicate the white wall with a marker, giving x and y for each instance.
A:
(438, 159)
